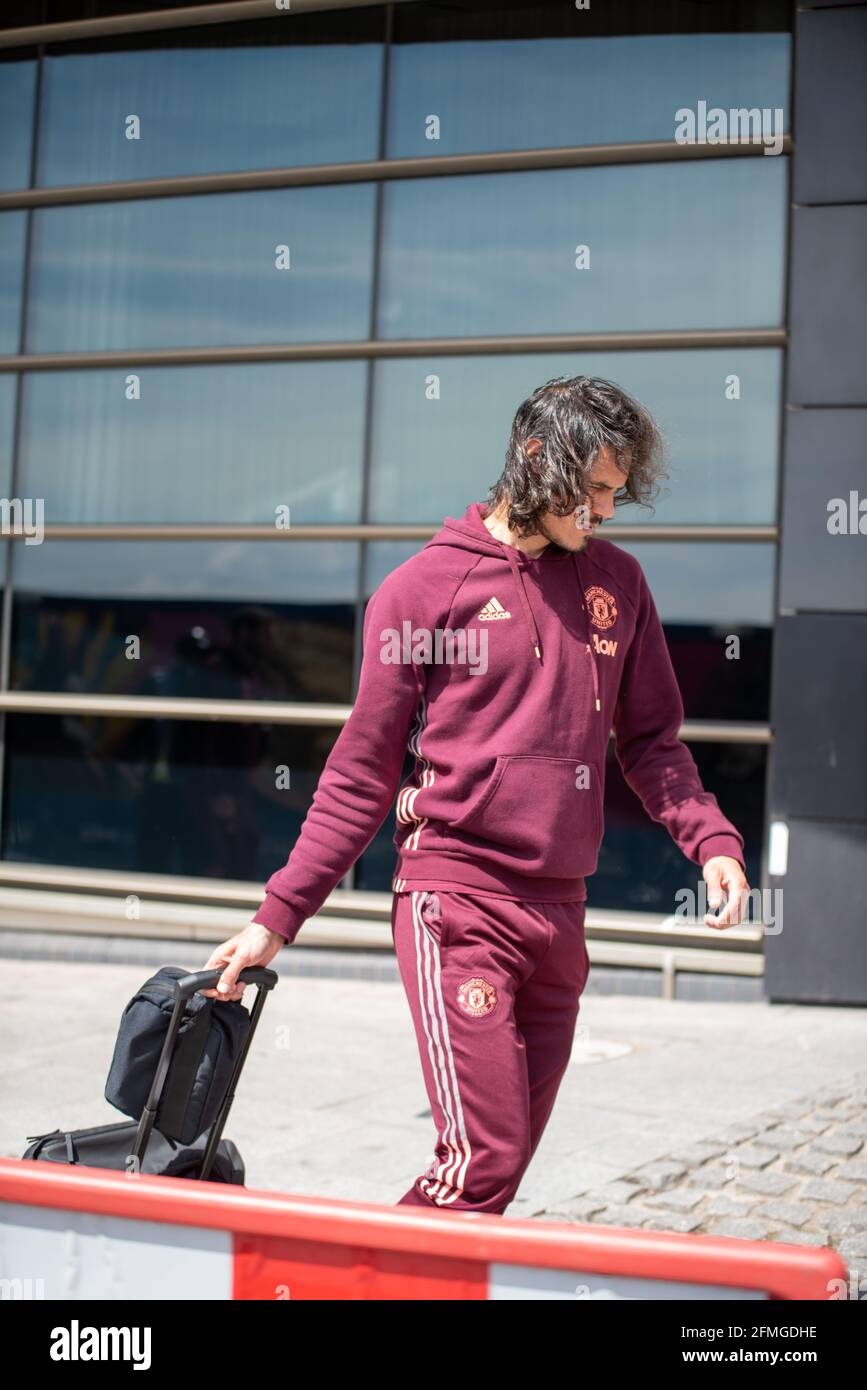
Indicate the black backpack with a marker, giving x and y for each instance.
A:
(210, 1037)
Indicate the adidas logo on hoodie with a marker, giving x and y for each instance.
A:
(493, 610)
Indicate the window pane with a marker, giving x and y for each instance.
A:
(671, 246)
(17, 88)
(13, 227)
(215, 620)
(198, 444)
(208, 100)
(158, 796)
(202, 271)
(723, 452)
(486, 95)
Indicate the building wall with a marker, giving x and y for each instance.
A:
(819, 769)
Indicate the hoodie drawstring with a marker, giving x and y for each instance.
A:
(470, 533)
(531, 623)
(586, 612)
(525, 602)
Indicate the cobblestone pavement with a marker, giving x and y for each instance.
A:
(796, 1173)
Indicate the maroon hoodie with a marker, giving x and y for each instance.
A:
(503, 676)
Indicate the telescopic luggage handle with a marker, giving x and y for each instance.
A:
(186, 986)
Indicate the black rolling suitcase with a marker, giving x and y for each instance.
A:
(176, 1153)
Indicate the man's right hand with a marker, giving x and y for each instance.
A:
(255, 945)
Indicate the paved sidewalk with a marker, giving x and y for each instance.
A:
(795, 1173)
(745, 1119)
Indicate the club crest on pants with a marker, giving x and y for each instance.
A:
(477, 997)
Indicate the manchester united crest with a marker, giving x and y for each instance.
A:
(477, 997)
(603, 609)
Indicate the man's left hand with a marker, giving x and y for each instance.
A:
(725, 880)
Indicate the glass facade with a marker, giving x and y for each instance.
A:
(207, 109)
(722, 452)
(212, 619)
(167, 444)
(650, 246)
(168, 796)
(182, 272)
(497, 253)
(485, 93)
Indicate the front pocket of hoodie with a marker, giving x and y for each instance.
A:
(539, 813)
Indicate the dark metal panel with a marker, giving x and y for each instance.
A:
(827, 324)
(818, 689)
(831, 106)
(820, 953)
(825, 462)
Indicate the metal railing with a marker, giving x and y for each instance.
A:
(378, 349)
(384, 171)
(278, 712)
(362, 531)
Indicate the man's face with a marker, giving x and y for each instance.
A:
(573, 532)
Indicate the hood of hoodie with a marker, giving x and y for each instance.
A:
(469, 532)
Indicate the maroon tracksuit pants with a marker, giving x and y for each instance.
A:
(494, 986)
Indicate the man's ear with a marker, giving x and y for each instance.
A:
(533, 451)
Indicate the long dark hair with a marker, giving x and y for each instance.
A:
(574, 417)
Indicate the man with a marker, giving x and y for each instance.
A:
(501, 655)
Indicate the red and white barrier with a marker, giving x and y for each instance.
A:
(90, 1233)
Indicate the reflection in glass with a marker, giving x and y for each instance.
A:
(719, 410)
(158, 796)
(198, 444)
(202, 271)
(688, 246)
(207, 110)
(17, 88)
(595, 90)
(226, 620)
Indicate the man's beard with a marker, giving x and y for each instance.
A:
(556, 545)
